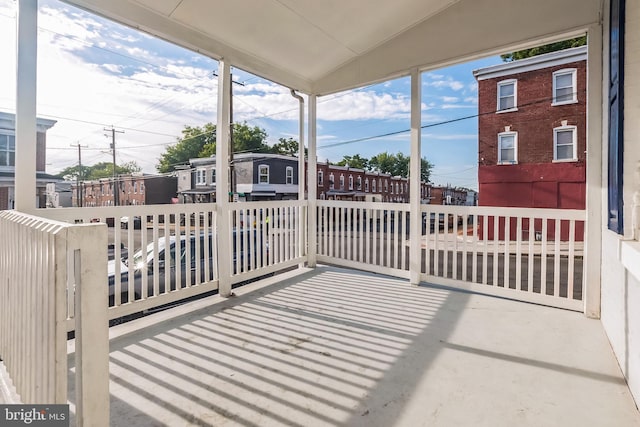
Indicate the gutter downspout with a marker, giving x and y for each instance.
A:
(302, 235)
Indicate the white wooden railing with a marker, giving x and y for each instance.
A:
(528, 254)
(262, 238)
(525, 253)
(365, 235)
(43, 265)
(266, 237)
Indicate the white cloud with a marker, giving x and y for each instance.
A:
(365, 105)
(448, 82)
(450, 99)
(471, 99)
(457, 106)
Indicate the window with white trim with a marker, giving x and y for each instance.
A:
(373, 186)
(508, 148)
(263, 174)
(289, 175)
(320, 178)
(213, 175)
(507, 95)
(386, 186)
(359, 183)
(341, 181)
(350, 182)
(7, 149)
(366, 185)
(141, 187)
(331, 182)
(564, 143)
(564, 87)
(201, 177)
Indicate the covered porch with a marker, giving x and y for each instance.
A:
(424, 326)
(338, 347)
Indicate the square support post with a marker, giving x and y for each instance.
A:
(594, 207)
(26, 95)
(312, 215)
(415, 216)
(223, 234)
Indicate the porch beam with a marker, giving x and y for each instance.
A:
(415, 217)
(312, 215)
(595, 141)
(26, 97)
(223, 235)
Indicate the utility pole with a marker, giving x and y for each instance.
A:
(80, 176)
(116, 186)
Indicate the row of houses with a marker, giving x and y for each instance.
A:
(258, 177)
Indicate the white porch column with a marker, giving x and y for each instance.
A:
(301, 176)
(26, 131)
(312, 215)
(415, 216)
(594, 207)
(223, 234)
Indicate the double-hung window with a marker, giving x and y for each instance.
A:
(201, 177)
(342, 182)
(507, 148)
(373, 186)
(366, 185)
(320, 178)
(263, 174)
(289, 175)
(7, 149)
(564, 143)
(331, 182)
(564, 87)
(507, 95)
(350, 182)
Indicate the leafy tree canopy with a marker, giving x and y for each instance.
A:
(547, 48)
(393, 164)
(97, 171)
(355, 161)
(287, 147)
(201, 142)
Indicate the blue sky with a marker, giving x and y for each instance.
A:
(94, 73)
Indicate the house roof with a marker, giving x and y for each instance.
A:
(327, 46)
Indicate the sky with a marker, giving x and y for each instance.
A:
(94, 74)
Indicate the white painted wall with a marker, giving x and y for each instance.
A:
(620, 288)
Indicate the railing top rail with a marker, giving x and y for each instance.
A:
(267, 204)
(541, 213)
(133, 210)
(366, 205)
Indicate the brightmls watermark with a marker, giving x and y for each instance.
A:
(34, 415)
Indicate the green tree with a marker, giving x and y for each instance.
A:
(97, 171)
(539, 50)
(398, 165)
(354, 161)
(192, 144)
(287, 147)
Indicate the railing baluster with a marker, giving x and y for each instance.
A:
(507, 250)
(571, 259)
(485, 242)
(518, 253)
(543, 259)
(465, 225)
(474, 261)
(530, 258)
(556, 259)
(496, 244)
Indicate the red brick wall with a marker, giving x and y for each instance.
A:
(535, 118)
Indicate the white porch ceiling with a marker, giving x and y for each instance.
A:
(331, 45)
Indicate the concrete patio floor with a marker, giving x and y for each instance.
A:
(337, 347)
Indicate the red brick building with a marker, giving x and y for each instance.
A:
(346, 183)
(135, 189)
(532, 131)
